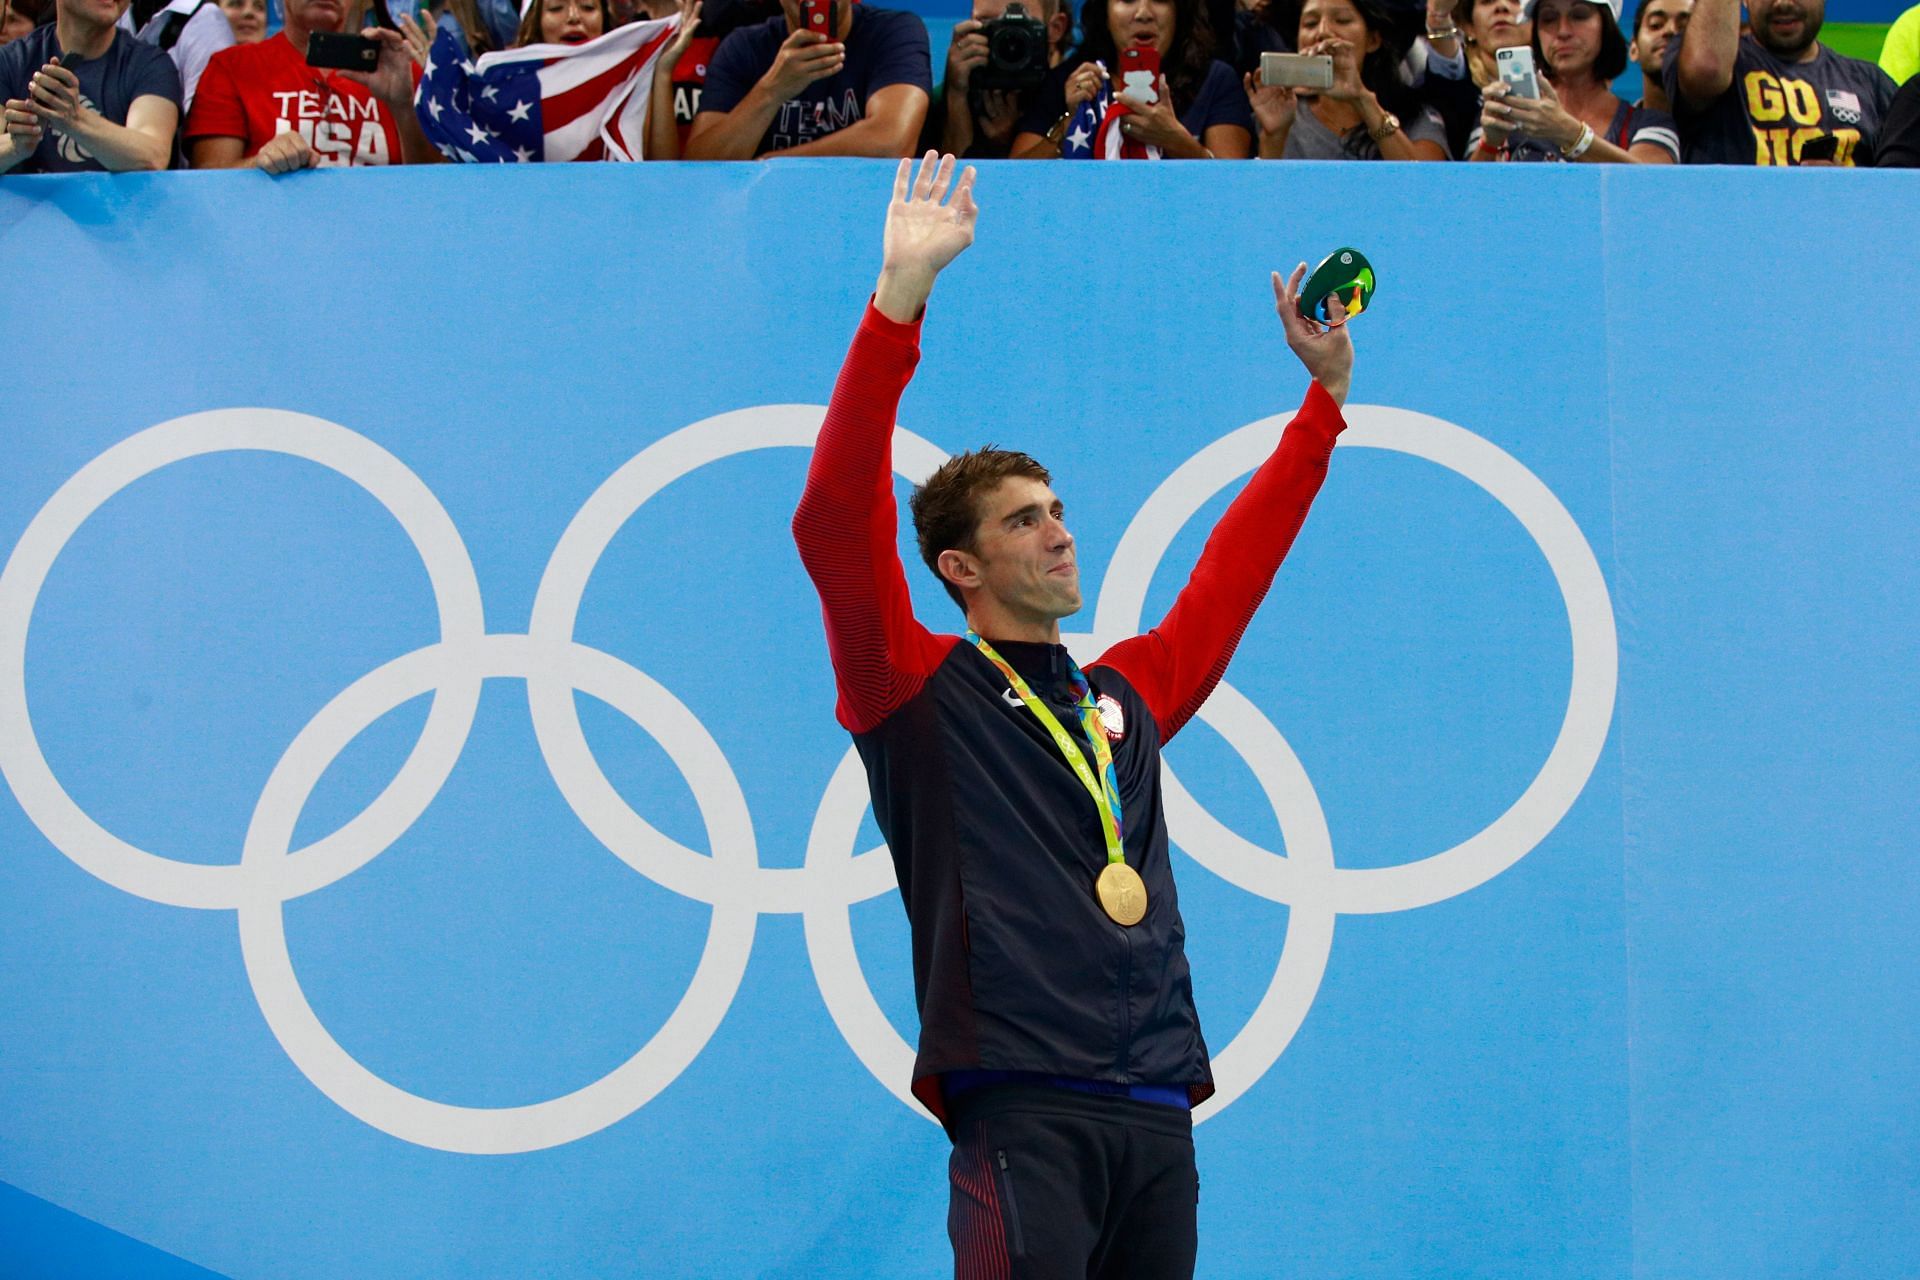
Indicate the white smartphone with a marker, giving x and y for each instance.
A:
(1516, 71)
(1297, 70)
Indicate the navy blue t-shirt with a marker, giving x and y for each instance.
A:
(109, 84)
(884, 47)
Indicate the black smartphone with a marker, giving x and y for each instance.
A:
(338, 51)
(1824, 147)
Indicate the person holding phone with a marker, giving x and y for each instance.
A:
(263, 105)
(1020, 794)
(821, 78)
(1188, 106)
(1577, 50)
(81, 94)
(1368, 114)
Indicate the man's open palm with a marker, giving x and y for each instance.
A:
(926, 230)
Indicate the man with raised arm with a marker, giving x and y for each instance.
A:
(1020, 793)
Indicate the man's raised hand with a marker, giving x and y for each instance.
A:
(925, 231)
(1325, 349)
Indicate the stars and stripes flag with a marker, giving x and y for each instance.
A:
(1094, 132)
(542, 102)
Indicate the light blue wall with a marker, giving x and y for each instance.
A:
(1651, 1013)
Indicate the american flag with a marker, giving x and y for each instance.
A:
(542, 102)
(1094, 132)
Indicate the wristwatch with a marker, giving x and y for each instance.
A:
(1389, 125)
(1058, 134)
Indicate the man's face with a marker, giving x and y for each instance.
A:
(1787, 27)
(1660, 22)
(1023, 554)
(102, 13)
(316, 15)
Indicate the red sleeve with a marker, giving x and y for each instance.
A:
(1175, 666)
(846, 527)
(216, 111)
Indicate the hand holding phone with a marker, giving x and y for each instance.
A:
(1140, 74)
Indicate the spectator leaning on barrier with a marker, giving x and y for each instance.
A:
(247, 19)
(977, 124)
(1655, 25)
(1764, 98)
(777, 88)
(1900, 53)
(1578, 50)
(189, 31)
(81, 94)
(262, 105)
(1201, 112)
(1359, 117)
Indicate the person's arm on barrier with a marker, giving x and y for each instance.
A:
(1177, 664)
(1704, 64)
(144, 142)
(890, 128)
(847, 522)
(663, 131)
(734, 134)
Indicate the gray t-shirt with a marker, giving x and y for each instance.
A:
(1311, 140)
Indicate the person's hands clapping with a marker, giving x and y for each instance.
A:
(805, 56)
(925, 231)
(24, 130)
(55, 95)
(1154, 123)
(284, 153)
(1325, 349)
(1274, 105)
(391, 79)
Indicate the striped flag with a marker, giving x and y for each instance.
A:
(1094, 132)
(542, 102)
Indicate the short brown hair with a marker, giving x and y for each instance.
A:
(946, 509)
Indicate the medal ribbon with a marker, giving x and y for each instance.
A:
(1106, 789)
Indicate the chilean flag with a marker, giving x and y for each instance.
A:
(542, 102)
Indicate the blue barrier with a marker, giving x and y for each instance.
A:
(1581, 713)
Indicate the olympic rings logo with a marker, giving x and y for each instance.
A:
(833, 876)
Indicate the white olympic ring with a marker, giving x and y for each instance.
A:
(832, 878)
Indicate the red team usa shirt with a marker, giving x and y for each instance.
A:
(256, 92)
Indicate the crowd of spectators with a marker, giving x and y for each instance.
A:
(152, 84)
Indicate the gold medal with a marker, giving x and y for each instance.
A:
(1121, 893)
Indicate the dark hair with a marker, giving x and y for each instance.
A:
(529, 32)
(946, 509)
(1188, 57)
(1612, 58)
(1379, 70)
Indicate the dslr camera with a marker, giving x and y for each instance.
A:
(1016, 52)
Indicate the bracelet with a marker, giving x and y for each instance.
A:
(1580, 148)
(1058, 134)
(1486, 150)
(1445, 33)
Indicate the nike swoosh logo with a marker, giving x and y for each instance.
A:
(1013, 700)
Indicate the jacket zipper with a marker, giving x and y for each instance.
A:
(1013, 1206)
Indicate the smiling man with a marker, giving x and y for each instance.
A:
(262, 105)
(1777, 96)
(1020, 793)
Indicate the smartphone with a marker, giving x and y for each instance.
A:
(1140, 73)
(342, 52)
(1297, 70)
(820, 16)
(1516, 71)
